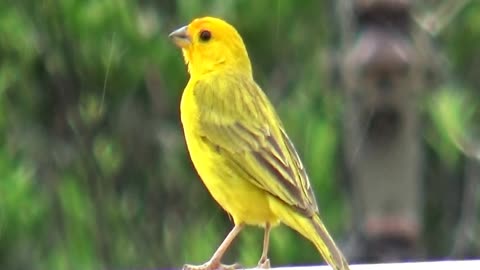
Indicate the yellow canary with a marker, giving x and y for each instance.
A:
(238, 144)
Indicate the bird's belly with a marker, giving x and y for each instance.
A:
(244, 201)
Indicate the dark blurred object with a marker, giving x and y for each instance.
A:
(466, 243)
(384, 71)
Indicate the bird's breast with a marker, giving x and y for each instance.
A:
(245, 202)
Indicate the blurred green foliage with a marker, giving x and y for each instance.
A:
(94, 173)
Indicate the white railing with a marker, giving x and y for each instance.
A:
(437, 265)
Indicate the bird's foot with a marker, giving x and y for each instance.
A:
(264, 263)
(212, 266)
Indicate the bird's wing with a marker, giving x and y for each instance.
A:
(237, 120)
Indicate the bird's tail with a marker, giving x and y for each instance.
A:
(313, 229)
(326, 246)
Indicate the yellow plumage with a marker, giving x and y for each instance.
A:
(238, 145)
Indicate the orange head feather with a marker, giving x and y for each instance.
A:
(210, 44)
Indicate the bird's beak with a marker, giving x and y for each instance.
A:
(180, 37)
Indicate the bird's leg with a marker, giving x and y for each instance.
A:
(214, 262)
(264, 261)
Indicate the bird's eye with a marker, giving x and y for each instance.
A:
(205, 35)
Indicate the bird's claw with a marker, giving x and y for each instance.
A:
(212, 266)
(264, 264)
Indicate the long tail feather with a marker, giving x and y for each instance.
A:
(326, 246)
(313, 229)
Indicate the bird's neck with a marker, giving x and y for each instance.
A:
(198, 66)
(198, 71)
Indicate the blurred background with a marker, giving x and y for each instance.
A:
(380, 98)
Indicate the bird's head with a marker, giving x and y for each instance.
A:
(210, 44)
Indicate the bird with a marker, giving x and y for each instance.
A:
(239, 146)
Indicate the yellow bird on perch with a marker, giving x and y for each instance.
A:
(238, 144)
